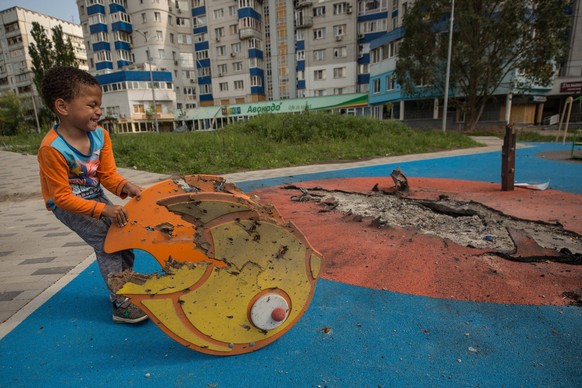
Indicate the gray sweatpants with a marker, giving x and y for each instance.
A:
(93, 232)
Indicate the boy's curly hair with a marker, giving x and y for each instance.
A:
(64, 82)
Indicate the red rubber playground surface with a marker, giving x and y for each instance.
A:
(394, 307)
(406, 261)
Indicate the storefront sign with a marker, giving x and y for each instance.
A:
(539, 98)
(571, 87)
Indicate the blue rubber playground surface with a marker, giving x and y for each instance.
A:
(349, 337)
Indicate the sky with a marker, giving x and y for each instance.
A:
(62, 9)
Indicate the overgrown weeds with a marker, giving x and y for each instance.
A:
(268, 141)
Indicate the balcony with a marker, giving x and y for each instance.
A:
(248, 33)
(304, 22)
(303, 3)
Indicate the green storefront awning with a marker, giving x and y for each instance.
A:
(281, 106)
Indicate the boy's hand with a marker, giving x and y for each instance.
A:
(116, 213)
(132, 190)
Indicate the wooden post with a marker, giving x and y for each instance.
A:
(508, 159)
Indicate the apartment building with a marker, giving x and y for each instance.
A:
(15, 61)
(161, 60)
(539, 104)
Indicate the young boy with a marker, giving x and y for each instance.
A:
(76, 158)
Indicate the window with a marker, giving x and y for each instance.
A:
(239, 85)
(337, 91)
(319, 75)
(390, 82)
(97, 19)
(339, 8)
(340, 52)
(256, 81)
(235, 47)
(232, 10)
(104, 55)
(319, 55)
(161, 53)
(144, 17)
(376, 86)
(300, 55)
(319, 11)
(223, 86)
(219, 33)
(97, 37)
(221, 50)
(122, 36)
(157, 17)
(159, 36)
(124, 55)
(299, 36)
(120, 16)
(206, 89)
(185, 22)
(237, 66)
(339, 30)
(186, 38)
(222, 68)
(171, 37)
(218, 13)
(249, 22)
(254, 43)
(319, 33)
(339, 72)
(255, 62)
(233, 29)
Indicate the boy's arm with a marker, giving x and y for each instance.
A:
(54, 173)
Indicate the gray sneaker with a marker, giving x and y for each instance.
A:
(125, 312)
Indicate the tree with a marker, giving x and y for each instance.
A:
(41, 53)
(46, 53)
(12, 114)
(64, 51)
(493, 41)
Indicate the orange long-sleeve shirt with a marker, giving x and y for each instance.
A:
(71, 180)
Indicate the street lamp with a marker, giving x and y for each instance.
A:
(149, 59)
(447, 80)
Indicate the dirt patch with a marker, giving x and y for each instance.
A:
(447, 239)
(562, 156)
(466, 223)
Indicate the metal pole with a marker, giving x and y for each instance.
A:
(35, 113)
(154, 98)
(447, 80)
(149, 62)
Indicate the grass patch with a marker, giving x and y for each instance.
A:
(265, 142)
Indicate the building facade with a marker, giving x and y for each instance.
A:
(537, 105)
(159, 60)
(15, 62)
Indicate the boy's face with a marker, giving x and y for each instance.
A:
(83, 111)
